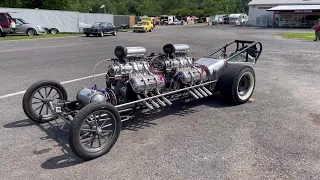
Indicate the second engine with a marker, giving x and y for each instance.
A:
(178, 67)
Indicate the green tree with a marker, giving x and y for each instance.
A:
(138, 7)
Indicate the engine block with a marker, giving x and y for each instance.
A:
(129, 75)
(176, 58)
(177, 65)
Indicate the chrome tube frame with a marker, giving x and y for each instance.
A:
(164, 94)
(251, 44)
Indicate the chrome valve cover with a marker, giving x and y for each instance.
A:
(144, 83)
(192, 75)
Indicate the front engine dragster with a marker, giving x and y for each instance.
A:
(136, 83)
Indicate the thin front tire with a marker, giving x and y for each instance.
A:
(36, 100)
(95, 130)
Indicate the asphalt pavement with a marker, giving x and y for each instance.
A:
(275, 137)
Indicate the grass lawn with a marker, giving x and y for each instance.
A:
(293, 35)
(18, 37)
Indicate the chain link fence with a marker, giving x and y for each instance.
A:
(262, 21)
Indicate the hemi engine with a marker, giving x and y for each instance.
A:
(135, 71)
(178, 67)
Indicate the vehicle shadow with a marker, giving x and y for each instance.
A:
(54, 131)
(177, 108)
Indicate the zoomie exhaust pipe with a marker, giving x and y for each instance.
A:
(145, 102)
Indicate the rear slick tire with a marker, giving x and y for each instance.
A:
(103, 133)
(237, 84)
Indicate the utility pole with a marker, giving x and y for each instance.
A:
(104, 8)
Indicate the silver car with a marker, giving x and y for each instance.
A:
(22, 27)
(176, 22)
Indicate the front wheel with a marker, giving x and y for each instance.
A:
(53, 31)
(114, 33)
(31, 32)
(237, 84)
(95, 130)
(2, 34)
(36, 100)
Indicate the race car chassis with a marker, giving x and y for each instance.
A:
(102, 121)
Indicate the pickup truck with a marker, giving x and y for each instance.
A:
(100, 29)
(7, 24)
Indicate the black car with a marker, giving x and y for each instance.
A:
(100, 29)
(124, 26)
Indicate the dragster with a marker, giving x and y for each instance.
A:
(137, 82)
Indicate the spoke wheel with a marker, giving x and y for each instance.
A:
(95, 130)
(36, 100)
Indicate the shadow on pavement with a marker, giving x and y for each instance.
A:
(61, 135)
(54, 132)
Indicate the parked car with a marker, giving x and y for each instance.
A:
(22, 27)
(53, 30)
(124, 26)
(100, 29)
(83, 25)
(7, 24)
(143, 27)
(176, 22)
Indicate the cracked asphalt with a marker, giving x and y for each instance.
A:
(275, 137)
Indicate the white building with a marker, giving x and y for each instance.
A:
(283, 13)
